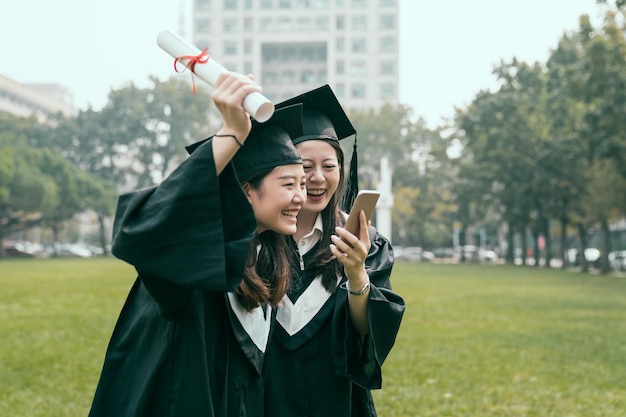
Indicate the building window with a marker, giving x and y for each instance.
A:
(387, 67)
(307, 77)
(288, 77)
(387, 44)
(305, 4)
(283, 24)
(248, 4)
(203, 43)
(303, 23)
(340, 90)
(265, 24)
(203, 25)
(248, 24)
(247, 47)
(230, 4)
(340, 22)
(322, 77)
(359, 45)
(203, 4)
(387, 91)
(340, 68)
(230, 25)
(247, 67)
(269, 77)
(284, 4)
(341, 3)
(387, 2)
(322, 23)
(340, 44)
(230, 47)
(387, 21)
(265, 4)
(359, 3)
(321, 4)
(358, 90)
(359, 22)
(358, 68)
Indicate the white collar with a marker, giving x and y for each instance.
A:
(310, 239)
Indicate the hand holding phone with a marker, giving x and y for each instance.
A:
(365, 200)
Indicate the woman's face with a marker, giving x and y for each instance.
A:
(322, 170)
(278, 199)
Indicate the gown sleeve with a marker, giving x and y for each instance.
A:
(191, 232)
(361, 356)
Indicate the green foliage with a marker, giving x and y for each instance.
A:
(475, 340)
(532, 148)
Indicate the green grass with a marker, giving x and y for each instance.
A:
(475, 340)
(506, 341)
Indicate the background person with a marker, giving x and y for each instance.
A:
(329, 345)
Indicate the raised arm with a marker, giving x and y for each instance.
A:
(228, 95)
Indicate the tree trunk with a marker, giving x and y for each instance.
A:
(510, 248)
(548, 241)
(462, 236)
(582, 234)
(103, 240)
(524, 244)
(605, 267)
(563, 239)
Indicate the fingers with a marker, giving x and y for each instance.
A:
(363, 227)
(230, 90)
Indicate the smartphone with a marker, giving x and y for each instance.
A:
(366, 201)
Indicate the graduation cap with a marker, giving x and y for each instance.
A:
(268, 144)
(323, 118)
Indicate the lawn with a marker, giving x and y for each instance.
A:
(475, 340)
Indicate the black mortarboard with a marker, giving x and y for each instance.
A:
(324, 118)
(268, 144)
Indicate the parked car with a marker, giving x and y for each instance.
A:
(573, 257)
(71, 250)
(617, 259)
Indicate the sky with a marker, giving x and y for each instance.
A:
(448, 49)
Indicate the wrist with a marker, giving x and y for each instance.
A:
(239, 136)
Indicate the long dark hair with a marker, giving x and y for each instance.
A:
(323, 262)
(267, 272)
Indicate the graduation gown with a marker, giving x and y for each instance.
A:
(179, 347)
(317, 365)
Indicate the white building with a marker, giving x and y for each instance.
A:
(292, 46)
(41, 100)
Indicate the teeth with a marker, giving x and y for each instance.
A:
(316, 193)
(290, 213)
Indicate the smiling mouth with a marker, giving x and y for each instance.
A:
(316, 193)
(290, 213)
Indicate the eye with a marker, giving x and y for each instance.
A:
(330, 167)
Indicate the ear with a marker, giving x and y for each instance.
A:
(247, 191)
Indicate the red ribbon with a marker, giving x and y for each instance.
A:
(201, 58)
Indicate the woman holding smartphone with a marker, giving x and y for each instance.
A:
(339, 319)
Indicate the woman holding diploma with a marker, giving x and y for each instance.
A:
(339, 319)
(208, 246)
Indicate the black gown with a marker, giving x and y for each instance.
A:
(179, 348)
(317, 365)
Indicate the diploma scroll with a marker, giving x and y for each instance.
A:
(256, 104)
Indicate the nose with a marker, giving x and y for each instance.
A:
(316, 175)
(300, 195)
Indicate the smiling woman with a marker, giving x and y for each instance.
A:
(209, 247)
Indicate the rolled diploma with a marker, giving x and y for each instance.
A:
(256, 104)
